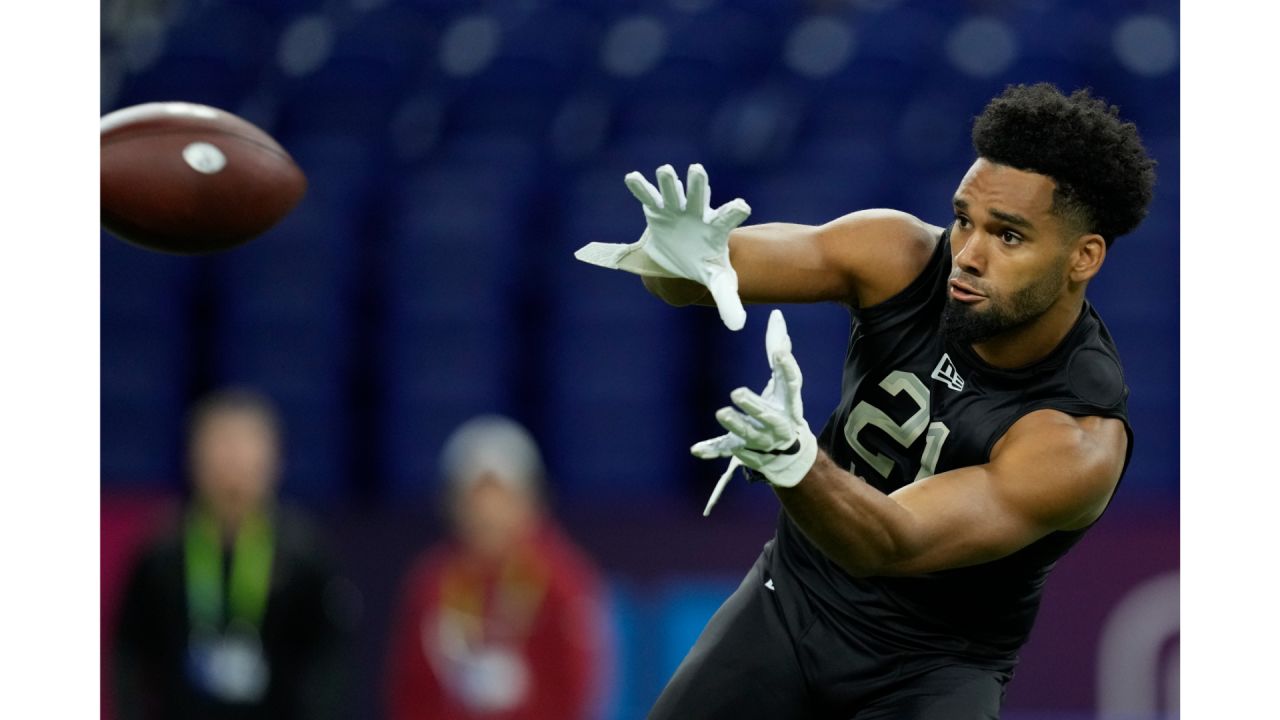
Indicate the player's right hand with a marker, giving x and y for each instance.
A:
(685, 238)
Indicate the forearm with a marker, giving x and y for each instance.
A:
(784, 262)
(861, 258)
(860, 528)
(774, 262)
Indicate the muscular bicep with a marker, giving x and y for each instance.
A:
(861, 258)
(1050, 472)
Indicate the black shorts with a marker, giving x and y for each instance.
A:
(761, 656)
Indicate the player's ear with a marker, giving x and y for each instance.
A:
(1087, 256)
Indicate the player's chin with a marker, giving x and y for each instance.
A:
(965, 308)
(968, 322)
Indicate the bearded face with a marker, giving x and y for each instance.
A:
(1011, 253)
(999, 311)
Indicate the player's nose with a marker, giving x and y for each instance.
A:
(971, 257)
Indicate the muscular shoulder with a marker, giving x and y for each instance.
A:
(881, 250)
(1065, 467)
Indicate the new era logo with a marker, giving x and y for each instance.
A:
(946, 372)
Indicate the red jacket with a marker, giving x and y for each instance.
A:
(525, 639)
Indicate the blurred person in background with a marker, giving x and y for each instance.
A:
(982, 427)
(504, 619)
(237, 612)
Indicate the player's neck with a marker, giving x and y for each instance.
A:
(1027, 344)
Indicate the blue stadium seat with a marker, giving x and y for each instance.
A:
(604, 203)
(490, 105)
(616, 360)
(770, 12)
(196, 80)
(614, 449)
(450, 222)
(742, 43)
(1079, 33)
(540, 54)
(276, 12)
(376, 58)
(679, 97)
(144, 382)
(346, 96)
(892, 51)
(859, 115)
(473, 211)
(1165, 149)
(1140, 278)
(828, 179)
(317, 460)
(556, 39)
(514, 156)
(140, 284)
(449, 275)
(1072, 56)
(440, 7)
(300, 271)
(213, 56)
(344, 169)
(433, 378)
(756, 127)
(302, 358)
(394, 39)
(284, 325)
(236, 37)
(145, 346)
(1065, 74)
(932, 133)
(928, 195)
(1151, 363)
(1150, 102)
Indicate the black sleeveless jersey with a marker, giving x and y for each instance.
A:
(913, 404)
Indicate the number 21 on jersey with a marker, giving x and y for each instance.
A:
(906, 433)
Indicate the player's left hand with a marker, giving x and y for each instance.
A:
(767, 431)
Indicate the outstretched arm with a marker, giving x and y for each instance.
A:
(690, 252)
(862, 258)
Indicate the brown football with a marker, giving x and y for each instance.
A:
(184, 178)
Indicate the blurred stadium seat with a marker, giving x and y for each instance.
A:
(596, 335)
(145, 365)
(284, 324)
(447, 348)
(213, 56)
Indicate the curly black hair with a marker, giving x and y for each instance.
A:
(1103, 173)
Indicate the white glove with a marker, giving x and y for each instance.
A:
(770, 434)
(683, 239)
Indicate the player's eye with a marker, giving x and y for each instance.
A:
(1010, 237)
(962, 221)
